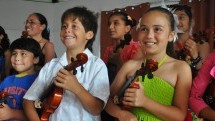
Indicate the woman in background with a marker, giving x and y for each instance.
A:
(36, 27)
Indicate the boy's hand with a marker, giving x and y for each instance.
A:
(67, 80)
(5, 112)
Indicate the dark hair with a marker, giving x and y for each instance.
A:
(187, 9)
(5, 42)
(28, 44)
(170, 46)
(43, 20)
(125, 17)
(86, 17)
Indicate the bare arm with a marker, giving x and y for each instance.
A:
(49, 51)
(30, 110)
(6, 113)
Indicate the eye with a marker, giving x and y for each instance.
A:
(116, 23)
(74, 27)
(158, 29)
(14, 53)
(24, 54)
(143, 29)
(64, 26)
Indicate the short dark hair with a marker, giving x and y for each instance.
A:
(28, 44)
(5, 42)
(86, 17)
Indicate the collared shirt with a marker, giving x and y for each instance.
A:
(94, 79)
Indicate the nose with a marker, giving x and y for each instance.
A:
(111, 26)
(150, 34)
(17, 57)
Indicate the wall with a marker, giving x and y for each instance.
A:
(14, 12)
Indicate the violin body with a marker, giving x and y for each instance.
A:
(52, 99)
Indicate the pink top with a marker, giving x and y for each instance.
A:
(200, 83)
(127, 52)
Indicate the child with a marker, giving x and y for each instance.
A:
(120, 25)
(85, 93)
(26, 54)
(165, 96)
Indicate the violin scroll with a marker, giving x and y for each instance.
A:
(3, 97)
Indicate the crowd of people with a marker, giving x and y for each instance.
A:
(152, 78)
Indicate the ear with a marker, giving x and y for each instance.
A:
(127, 29)
(43, 27)
(171, 36)
(89, 35)
(36, 60)
(1, 36)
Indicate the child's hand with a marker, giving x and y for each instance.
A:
(191, 46)
(126, 116)
(5, 112)
(67, 80)
(134, 97)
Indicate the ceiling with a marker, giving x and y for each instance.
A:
(48, 1)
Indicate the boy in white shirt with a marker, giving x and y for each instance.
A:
(84, 94)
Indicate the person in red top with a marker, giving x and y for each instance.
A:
(197, 100)
(123, 47)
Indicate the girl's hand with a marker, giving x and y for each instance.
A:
(134, 97)
(6, 112)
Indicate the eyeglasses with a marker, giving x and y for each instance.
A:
(31, 22)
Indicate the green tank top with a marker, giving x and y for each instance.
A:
(158, 90)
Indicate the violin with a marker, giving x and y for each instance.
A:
(3, 97)
(55, 94)
(146, 69)
(126, 41)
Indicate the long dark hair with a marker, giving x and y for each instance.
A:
(5, 42)
(43, 20)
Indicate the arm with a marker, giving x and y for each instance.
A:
(113, 109)
(49, 51)
(7, 62)
(91, 101)
(199, 86)
(30, 110)
(182, 82)
(6, 113)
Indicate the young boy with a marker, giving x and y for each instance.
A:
(26, 54)
(86, 93)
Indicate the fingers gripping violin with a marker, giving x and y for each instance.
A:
(51, 100)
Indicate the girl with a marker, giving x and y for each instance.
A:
(165, 96)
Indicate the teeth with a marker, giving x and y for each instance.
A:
(149, 43)
(69, 37)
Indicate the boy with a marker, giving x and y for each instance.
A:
(26, 54)
(86, 93)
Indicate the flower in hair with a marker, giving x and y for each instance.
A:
(129, 18)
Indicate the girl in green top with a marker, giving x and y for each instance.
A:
(165, 96)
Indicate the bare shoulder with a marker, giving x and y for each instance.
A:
(180, 65)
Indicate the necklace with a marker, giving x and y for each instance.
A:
(162, 60)
(40, 40)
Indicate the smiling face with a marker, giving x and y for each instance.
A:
(23, 61)
(117, 27)
(33, 26)
(155, 32)
(184, 21)
(73, 34)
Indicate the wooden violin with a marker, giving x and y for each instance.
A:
(146, 69)
(3, 97)
(55, 94)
